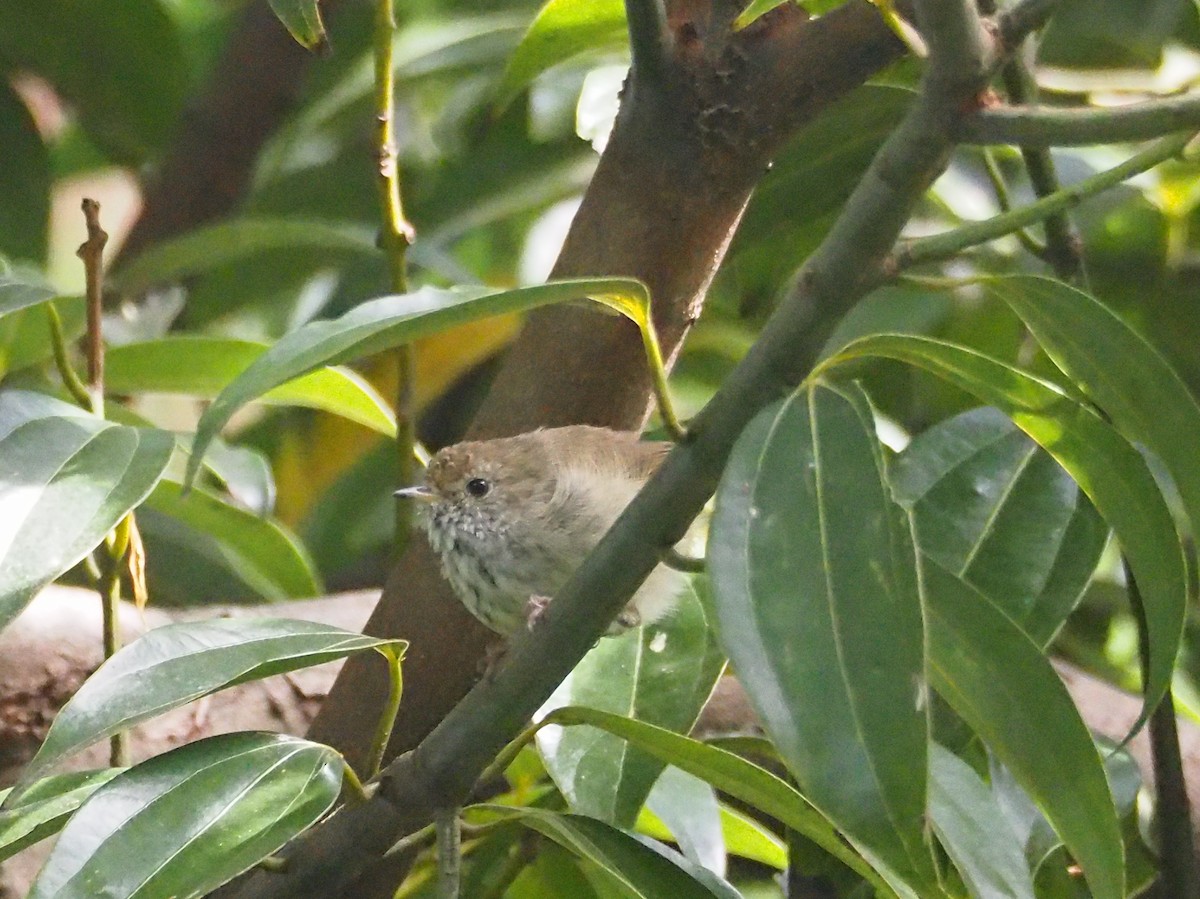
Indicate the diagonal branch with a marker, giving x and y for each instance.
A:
(443, 768)
(1047, 126)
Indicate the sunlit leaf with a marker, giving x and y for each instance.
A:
(45, 807)
(302, 19)
(187, 821)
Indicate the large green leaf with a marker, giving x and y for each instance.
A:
(1002, 685)
(189, 820)
(24, 181)
(689, 809)
(661, 674)
(642, 867)
(46, 806)
(204, 249)
(971, 826)
(992, 506)
(393, 320)
(19, 290)
(66, 479)
(1110, 471)
(562, 29)
(125, 75)
(260, 550)
(813, 576)
(204, 366)
(1118, 369)
(302, 19)
(729, 773)
(175, 664)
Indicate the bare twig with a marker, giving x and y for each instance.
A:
(91, 251)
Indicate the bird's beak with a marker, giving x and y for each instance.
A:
(421, 492)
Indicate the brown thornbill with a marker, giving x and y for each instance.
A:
(512, 518)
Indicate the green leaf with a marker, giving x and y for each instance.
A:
(729, 773)
(19, 291)
(45, 807)
(1108, 469)
(661, 674)
(125, 76)
(204, 366)
(561, 30)
(643, 867)
(66, 479)
(1002, 685)
(260, 550)
(688, 807)
(813, 576)
(390, 321)
(204, 249)
(175, 664)
(25, 338)
(754, 10)
(1118, 369)
(997, 510)
(24, 182)
(187, 821)
(971, 826)
(302, 19)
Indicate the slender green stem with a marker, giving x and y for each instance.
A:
(506, 756)
(413, 840)
(449, 852)
(662, 390)
(387, 718)
(58, 343)
(943, 246)
(1000, 189)
(673, 558)
(1178, 871)
(109, 589)
(353, 784)
(395, 237)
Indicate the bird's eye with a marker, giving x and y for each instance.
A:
(478, 487)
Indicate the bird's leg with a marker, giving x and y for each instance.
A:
(493, 655)
(534, 609)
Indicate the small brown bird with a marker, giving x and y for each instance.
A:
(513, 518)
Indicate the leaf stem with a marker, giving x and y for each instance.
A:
(353, 783)
(395, 237)
(387, 719)
(658, 375)
(109, 588)
(66, 371)
(943, 246)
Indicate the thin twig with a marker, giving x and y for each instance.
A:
(673, 558)
(91, 251)
(647, 39)
(1000, 189)
(395, 236)
(109, 589)
(1178, 872)
(943, 246)
(449, 852)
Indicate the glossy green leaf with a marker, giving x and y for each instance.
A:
(24, 182)
(187, 821)
(264, 553)
(25, 338)
(643, 867)
(1108, 469)
(1118, 369)
(19, 290)
(45, 807)
(1002, 685)
(66, 479)
(204, 366)
(390, 321)
(688, 806)
(729, 773)
(561, 30)
(661, 674)
(125, 76)
(813, 576)
(204, 249)
(302, 19)
(972, 828)
(172, 665)
(993, 507)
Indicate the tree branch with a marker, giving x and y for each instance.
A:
(1045, 126)
(441, 771)
(647, 39)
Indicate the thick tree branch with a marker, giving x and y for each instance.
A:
(1047, 126)
(442, 770)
